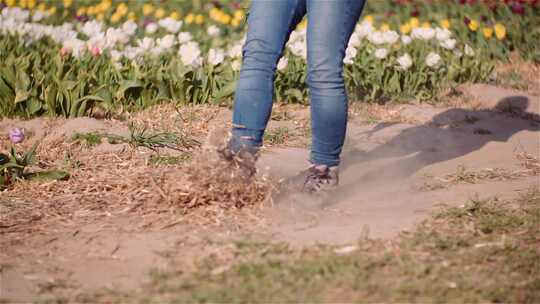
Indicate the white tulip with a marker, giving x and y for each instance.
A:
(381, 53)
(190, 54)
(38, 16)
(350, 54)
(75, 46)
(282, 63)
(151, 28)
(235, 51)
(354, 40)
(129, 27)
(213, 31)
(92, 28)
(364, 29)
(469, 50)
(405, 62)
(131, 52)
(15, 13)
(115, 55)
(376, 38)
(146, 44)
(449, 44)
(236, 65)
(423, 33)
(184, 37)
(405, 39)
(171, 25)
(167, 42)
(157, 50)
(433, 59)
(442, 34)
(390, 37)
(216, 56)
(298, 48)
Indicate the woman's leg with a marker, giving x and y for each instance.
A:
(330, 25)
(269, 26)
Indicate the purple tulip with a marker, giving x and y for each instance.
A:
(518, 8)
(81, 18)
(16, 135)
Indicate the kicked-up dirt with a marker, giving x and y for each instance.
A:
(127, 209)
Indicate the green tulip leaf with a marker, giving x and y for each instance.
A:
(48, 175)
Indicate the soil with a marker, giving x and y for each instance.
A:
(110, 224)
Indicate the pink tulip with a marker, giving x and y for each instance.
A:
(64, 51)
(96, 51)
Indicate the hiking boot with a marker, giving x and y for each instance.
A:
(243, 159)
(316, 178)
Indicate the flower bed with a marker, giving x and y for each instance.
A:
(72, 59)
(499, 27)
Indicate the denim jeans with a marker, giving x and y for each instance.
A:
(270, 22)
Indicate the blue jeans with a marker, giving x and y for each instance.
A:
(270, 22)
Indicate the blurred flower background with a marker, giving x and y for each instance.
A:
(71, 57)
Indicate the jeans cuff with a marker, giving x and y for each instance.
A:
(244, 139)
(329, 162)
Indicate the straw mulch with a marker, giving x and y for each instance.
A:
(122, 183)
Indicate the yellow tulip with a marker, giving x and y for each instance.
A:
(235, 22)
(12, 3)
(414, 22)
(199, 19)
(41, 7)
(131, 16)
(405, 28)
(239, 14)
(214, 13)
(91, 10)
(226, 19)
(52, 10)
(385, 27)
(104, 6)
(147, 9)
(190, 18)
(445, 23)
(500, 31)
(473, 25)
(122, 9)
(488, 32)
(115, 17)
(175, 15)
(160, 13)
(369, 19)
(81, 11)
(32, 4)
(68, 3)
(426, 25)
(100, 17)
(23, 3)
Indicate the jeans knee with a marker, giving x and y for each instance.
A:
(259, 56)
(326, 79)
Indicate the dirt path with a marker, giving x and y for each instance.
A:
(394, 173)
(386, 165)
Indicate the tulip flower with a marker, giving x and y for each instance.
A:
(16, 135)
(500, 31)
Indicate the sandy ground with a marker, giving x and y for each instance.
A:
(395, 171)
